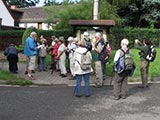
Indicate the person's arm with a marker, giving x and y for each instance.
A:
(140, 47)
(117, 56)
(99, 48)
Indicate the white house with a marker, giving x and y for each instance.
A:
(6, 16)
(24, 17)
(33, 17)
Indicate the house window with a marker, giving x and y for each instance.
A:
(40, 25)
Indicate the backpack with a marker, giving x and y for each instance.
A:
(151, 54)
(108, 49)
(105, 53)
(85, 62)
(124, 63)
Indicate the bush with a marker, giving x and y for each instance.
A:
(117, 34)
(10, 36)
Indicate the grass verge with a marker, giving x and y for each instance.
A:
(12, 79)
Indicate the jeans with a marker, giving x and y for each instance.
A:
(42, 63)
(78, 84)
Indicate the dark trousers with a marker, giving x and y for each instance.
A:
(120, 85)
(103, 64)
(13, 60)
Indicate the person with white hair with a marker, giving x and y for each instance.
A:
(121, 80)
(70, 49)
(99, 58)
(30, 50)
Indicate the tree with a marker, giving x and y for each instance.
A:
(119, 3)
(54, 2)
(82, 9)
(141, 13)
(22, 3)
(51, 2)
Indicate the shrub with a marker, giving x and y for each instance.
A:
(117, 34)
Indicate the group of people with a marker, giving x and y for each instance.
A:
(75, 50)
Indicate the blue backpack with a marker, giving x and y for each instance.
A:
(125, 63)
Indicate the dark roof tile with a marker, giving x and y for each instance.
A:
(35, 14)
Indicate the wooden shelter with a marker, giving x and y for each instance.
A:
(91, 26)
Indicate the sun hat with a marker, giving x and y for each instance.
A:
(70, 39)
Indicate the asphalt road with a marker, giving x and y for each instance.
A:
(58, 103)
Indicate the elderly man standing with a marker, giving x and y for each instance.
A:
(30, 50)
(121, 80)
(99, 61)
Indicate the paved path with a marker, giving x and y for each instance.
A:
(46, 78)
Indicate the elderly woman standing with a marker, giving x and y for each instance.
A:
(62, 57)
(82, 73)
(120, 80)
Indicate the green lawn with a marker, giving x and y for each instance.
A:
(153, 69)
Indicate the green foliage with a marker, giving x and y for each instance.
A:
(141, 13)
(119, 3)
(11, 32)
(117, 34)
(10, 36)
(27, 34)
(83, 10)
(22, 3)
(24, 37)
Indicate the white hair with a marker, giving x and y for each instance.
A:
(124, 42)
(98, 35)
(33, 33)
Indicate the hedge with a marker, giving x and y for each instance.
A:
(15, 36)
(117, 34)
